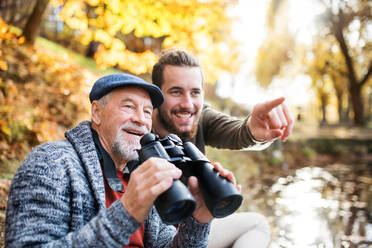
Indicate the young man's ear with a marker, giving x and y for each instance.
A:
(96, 112)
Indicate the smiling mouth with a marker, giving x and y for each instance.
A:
(184, 115)
(135, 132)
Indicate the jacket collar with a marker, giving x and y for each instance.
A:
(82, 140)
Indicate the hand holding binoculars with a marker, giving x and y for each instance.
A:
(220, 195)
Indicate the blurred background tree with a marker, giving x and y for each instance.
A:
(341, 52)
(33, 24)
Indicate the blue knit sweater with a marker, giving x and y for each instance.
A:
(57, 199)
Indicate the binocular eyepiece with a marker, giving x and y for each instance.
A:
(220, 195)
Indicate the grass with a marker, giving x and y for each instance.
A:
(88, 63)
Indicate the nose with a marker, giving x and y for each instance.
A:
(187, 102)
(139, 118)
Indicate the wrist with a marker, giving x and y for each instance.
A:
(250, 133)
(131, 209)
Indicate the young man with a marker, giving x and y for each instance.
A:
(62, 195)
(180, 77)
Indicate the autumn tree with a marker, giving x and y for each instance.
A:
(16, 12)
(133, 32)
(343, 28)
(32, 27)
(277, 46)
(326, 63)
(344, 20)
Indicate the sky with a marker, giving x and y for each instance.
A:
(251, 31)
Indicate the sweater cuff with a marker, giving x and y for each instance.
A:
(193, 228)
(123, 223)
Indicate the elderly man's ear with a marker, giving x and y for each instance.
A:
(96, 112)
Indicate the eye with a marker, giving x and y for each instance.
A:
(175, 93)
(129, 107)
(195, 93)
(148, 113)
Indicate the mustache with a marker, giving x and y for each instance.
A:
(134, 127)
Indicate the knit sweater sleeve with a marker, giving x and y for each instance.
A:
(42, 207)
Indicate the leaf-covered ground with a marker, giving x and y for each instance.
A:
(4, 189)
(41, 95)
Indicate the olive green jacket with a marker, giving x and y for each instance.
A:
(223, 131)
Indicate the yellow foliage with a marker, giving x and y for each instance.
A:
(4, 127)
(74, 15)
(56, 3)
(21, 40)
(41, 95)
(5, 33)
(138, 63)
(93, 2)
(104, 37)
(86, 37)
(117, 45)
(99, 11)
(202, 27)
(3, 65)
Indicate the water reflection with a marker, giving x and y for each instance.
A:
(319, 207)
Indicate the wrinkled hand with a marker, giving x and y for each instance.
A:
(201, 213)
(146, 183)
(271, 120)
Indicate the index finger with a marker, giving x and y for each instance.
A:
(268, 106)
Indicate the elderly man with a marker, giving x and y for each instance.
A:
(64, 195)
(179, 75)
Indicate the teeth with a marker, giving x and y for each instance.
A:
(184, 116)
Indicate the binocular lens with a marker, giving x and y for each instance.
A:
(178, 211)
(224, 203)
(175, 207)
(227, 206)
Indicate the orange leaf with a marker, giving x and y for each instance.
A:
(3, 65)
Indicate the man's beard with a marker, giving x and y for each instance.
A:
(124, 147)
(169, 125)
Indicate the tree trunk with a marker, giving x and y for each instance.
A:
(348, 109)
(6, 11)
(354, 86)
(32, 27)
(357, 104)
(323, 101)
(339, 107)
(369, 115)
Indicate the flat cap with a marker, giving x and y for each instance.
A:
(106, 84)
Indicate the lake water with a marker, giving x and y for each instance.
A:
(320, 207)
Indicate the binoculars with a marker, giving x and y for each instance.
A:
(174, 205)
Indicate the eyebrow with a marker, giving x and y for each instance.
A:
(175, 88)
(180, 88)
(128, 99)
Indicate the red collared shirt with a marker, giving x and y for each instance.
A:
(136, 240)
